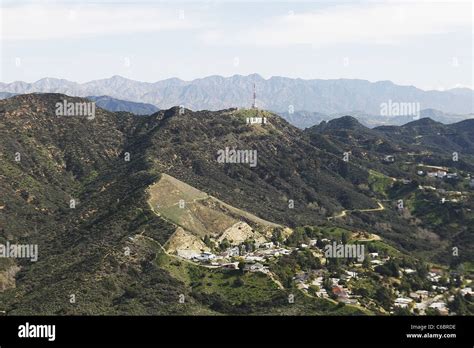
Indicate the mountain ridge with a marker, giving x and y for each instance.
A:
(276, 93)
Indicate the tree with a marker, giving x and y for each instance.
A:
(198, 167)
(277, 235)
(207, 241)
(383, 297)
(390, 269)
(241, 266)
(458, 305)
(366, 262)
(422, 270)
(224, 244)
(333, 265)
(238, 282)
(344, 238)
(401, 311)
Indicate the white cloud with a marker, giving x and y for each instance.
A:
(52, 20)
(386, 22)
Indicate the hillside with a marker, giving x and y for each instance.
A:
(64, 158)
(113, 104)
(415, 149)
(101, 198)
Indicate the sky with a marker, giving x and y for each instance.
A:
(428, 44)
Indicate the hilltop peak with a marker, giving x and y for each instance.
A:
(424, 121)
(344, 122)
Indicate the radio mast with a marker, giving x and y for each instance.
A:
(254, 104)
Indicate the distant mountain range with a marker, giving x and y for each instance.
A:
(278, 94)
(306, 119)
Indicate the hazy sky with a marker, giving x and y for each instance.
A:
(428, 44)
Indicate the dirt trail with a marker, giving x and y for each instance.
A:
(344, 212)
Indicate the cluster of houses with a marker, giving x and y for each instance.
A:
(341, 293)
(433, 172)
(439, 174)
(227, 259)
(255, 261)
(422, 300)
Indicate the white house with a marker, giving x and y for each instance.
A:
(267, 245)
(255, 267)
(205, 256)
(440, 306)
(403, 302)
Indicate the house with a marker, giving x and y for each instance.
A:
(267, 245)
(254, 258)
(284, 251)
(208, 255)
(421, 306)
(403, 302)
(351, 274)
(313, 242)
(231, 265)
(255, 267)
(407, 270)
(303, 246)
(374, 255)
(466, 291)
(422, 293)
(302, 286)
(339, 292)
(389, 158)
(452, 176)
(433, 277)
(318, 281)
(322, 293)
(205, 256)
(231, 252)
(440, 306)
(376, 262)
